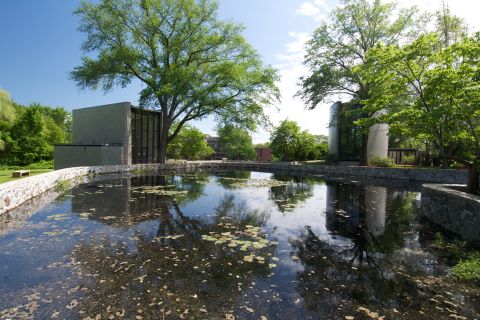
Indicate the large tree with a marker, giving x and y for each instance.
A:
(7, 116)
(340, 45)
(191, 65)
(189, 144)
(235, 143)
(289, 143)
(433, 91)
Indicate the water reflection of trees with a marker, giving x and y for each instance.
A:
(238, 211)
(295, 191)
(171, 272)
(364, 265)
(229, 179)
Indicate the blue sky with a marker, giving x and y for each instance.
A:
(40, 45)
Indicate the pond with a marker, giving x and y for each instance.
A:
(230, 245)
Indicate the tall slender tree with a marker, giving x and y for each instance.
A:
(341, 44)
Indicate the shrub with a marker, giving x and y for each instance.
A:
(468, 269)
(380, 162)
(409, 160)
(44, 164)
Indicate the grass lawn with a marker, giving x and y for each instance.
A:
(6, 175)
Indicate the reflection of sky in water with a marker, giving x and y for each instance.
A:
(310, 212)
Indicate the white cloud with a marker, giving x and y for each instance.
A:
(291, 68)
(308, 9)
(318, 9)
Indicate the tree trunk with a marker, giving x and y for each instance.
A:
(443, 157)
(427, 161)
(473, 179)
(363, 152)
(162, 156)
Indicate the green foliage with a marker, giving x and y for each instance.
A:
(7, 110)
(409, 159)
(431, 92)
(380, 162)
(235, 143)
(468, 269)
(44, 164)
(27, 134)
(62, 186)
(262, 145)
(7, 117)
(450, 28)
(290, 143)
(29, 139)
(191, 64)
(341, 44)
(189, 144)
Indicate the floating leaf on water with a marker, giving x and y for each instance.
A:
(72, 304)
(53, 233)
(58, 217)
(248, 258)
(85, 215)
(209, 238)
(368, 312)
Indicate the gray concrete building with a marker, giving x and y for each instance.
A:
(114, 134)
(345, 140)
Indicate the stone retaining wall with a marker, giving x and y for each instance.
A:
(422, 175)
(452, 209)
(14, 193)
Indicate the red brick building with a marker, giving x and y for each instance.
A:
(263, 154)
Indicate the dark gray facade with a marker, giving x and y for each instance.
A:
(344, 137)
(114, 134)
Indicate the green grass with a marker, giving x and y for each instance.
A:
(6, 175)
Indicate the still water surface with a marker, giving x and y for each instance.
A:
(229, 245)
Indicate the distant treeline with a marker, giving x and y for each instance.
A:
(28, 133)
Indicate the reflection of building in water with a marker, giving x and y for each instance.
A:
(113, 202)
(102, 199)
(343, 210)
(350, 206)
(375, 209)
